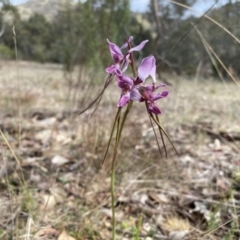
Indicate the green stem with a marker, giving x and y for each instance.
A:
(113, 180)
(112, 131)
(113, 201)
(125, 117)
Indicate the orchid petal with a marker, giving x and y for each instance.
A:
(157, 96)
(135, 95)
(112, 69)
(154, 109)
(146, 68)
(160, 85)
(124, 82)
(148, 88)
(153, 71)
(126, 44)
(115, 52)
(124, 100)
(126, 63)
(138, 47)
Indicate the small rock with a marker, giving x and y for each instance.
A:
(59, 160)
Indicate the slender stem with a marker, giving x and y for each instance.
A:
(118, 137)
(161, 134)
(165, 133)
(113, 180)
(125, 117)
(111, 135)
(113, 201)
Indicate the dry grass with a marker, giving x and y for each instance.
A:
(191, 196)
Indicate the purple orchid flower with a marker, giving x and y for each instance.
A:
(148, 68)
(129, 92)
(118, 57)
(148, 96)
(133, 89)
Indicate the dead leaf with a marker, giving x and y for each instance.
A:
(65, 236)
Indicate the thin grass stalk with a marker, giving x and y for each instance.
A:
(107, 82)
(19, 89)
(221, 226)
(22, 180)
(217, 57)
(189, 30)
(209, 18)
(139, 224)
(211, 57)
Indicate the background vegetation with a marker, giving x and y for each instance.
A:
(77, 32)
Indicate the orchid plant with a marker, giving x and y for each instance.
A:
(133, 89)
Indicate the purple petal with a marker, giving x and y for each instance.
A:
(154, 109)
(124, 100)
(160, 85)
(118, 72)
(138, 47)
(126, 44)
(164, 93)
(135, 95)
(124, 82)
(155, 97)
(152, 87)
(112, 69)
(153, 71)
(126, 63)
(148, 88)
(115, 52)
(146, 68)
